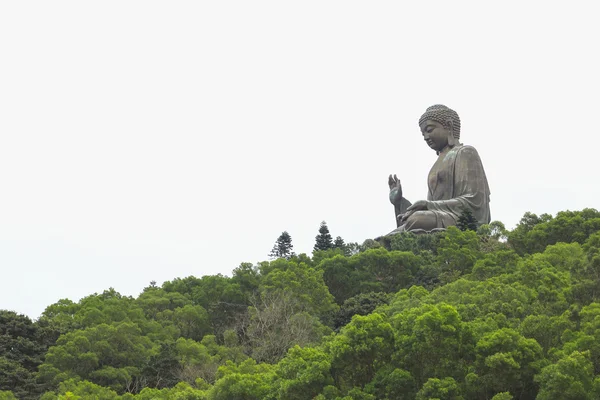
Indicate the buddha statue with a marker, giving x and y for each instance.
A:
(456, 182)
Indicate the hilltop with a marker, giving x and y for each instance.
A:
(492, 314)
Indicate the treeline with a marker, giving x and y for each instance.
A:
(283, 247)
(492, 314)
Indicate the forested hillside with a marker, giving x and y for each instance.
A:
(492, 314)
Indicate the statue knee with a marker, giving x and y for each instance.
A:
(425, 220)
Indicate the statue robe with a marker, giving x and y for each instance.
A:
(457, 181)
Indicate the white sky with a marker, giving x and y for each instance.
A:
(146, 140)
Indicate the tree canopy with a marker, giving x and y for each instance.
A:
(486, 314)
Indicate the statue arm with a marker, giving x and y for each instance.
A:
(400, 209)
(399, 202)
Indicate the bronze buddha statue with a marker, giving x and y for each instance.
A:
(456, 182)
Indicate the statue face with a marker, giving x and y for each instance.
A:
(435, 134)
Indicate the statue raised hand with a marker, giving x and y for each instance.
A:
(400, 203)
(395, 189)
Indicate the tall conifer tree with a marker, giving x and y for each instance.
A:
(283, 247)
(466, 221)
(323, 240)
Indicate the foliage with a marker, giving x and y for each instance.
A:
(418, 244)
(486, 314)
(283, 247)
(22, 347)
(339, 242)
(361, 304)
(108, 355)
(323, 240)
(466, 221)
(360, 349)
(7, 395)
(374, 270)
(248, 380)
(442, 389)
(570, 378)
(505, 360)
(432, 341)
(534, 233)
(303, 373)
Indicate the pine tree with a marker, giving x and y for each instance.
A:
(466, 221)
(283, 247)
(339, 243)
(323, 240)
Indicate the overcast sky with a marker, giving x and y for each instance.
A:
(146, 140)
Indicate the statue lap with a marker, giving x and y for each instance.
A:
(428, 221)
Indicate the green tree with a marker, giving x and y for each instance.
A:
(466, 221)
(304, 283)
(22, 347)
(222, 297)
(586, 287)
(506, 361)
(340, 276)
(247, 277)
(547, 330)
(287, 309)
(361, 347)
(193, 321)
(162, 369)
(77, 389)
(292, 298)
(59, 318)
(283, 247)
(498, 231)
(277, 323)
(418, 244)
(392, 383)
(570, 378)
(498, 262)
(339, 243)
(503, 396)
(361, 304)
(323, 240)
(534, 233)
(433, 341)
(303, 373)
(201, 360)
(7, 395)
(440, 389)
(373, 270)
(457, 252)
(181, 391)
(159, 304)
(248, 381)
(107, 355)
(13, 377)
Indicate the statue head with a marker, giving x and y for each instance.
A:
(448, 131)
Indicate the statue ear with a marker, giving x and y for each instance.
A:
(452, 141)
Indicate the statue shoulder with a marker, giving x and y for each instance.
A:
(467, 151)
